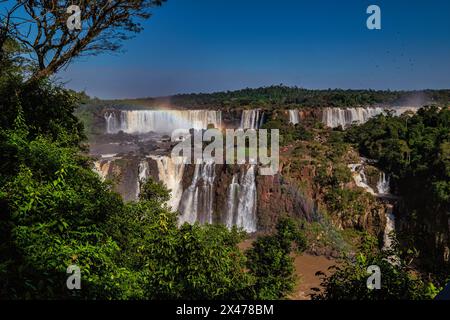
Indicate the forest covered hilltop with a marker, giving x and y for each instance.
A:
(281, 96)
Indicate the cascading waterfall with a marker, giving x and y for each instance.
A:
(171, 174)
(251, 119)
(383, 191)
(189, 200)
(241, 203)
(261, 120)
(102, 168)
(383, 184)
(112, 124)
(196, 203)
(335, 117)
(143, 173)
(246, 208)
(161, 121)
(294, 116)
(359, 177)
(389, 229)
(232, 197)
(198, 199)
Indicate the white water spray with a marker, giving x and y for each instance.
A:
(161, 121)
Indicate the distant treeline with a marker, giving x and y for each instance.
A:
(285, 97)
(280, 96)
(276, 96)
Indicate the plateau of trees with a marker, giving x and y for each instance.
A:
(281, 96)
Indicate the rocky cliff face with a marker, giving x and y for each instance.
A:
(278, 196)
(123, 173)
(293, 192)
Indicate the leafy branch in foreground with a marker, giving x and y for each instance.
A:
(348, 280)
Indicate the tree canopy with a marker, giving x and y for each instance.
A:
(41, 28)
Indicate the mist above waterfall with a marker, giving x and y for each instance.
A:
(416, 99)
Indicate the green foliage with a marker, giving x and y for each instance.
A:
(191, 262)
(47, 110)
(346, 202)
(293, 97)
(338, 146)
(51, 218)
(341, 174)
(270, 262)
(415, 151)
(349, 280)
(154, 191)
(56, 212)
(288, 132)
(323, 233)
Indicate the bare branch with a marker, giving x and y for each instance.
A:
(42, 28)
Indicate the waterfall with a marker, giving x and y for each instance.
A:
(294, 116)
(261, 120)
(383, 184)
(161, 121)
(102, 168)
(241, 201)
(335, 117)
(112, 124)
(359, 177)
(246, 211)
(251, 119)
(389, 229)
(232, 197)
(383, 190)
(171, 174)
(197, 201)
(189, 200)
(143, 172)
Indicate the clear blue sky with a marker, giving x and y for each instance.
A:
(214, 45)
